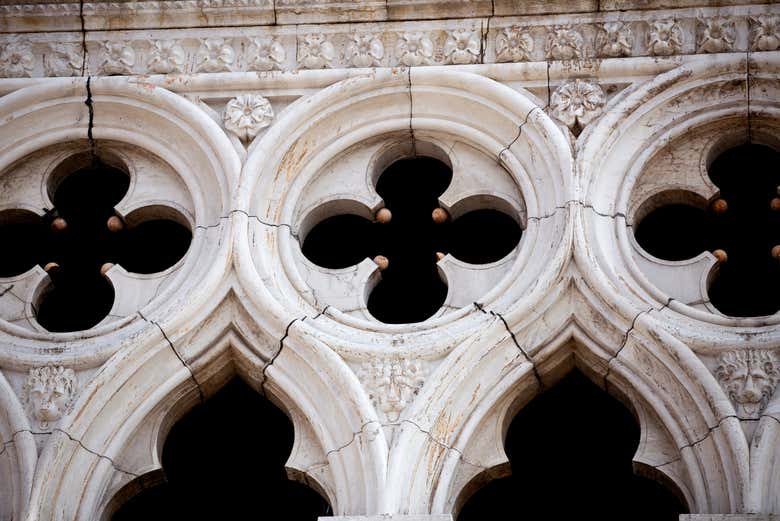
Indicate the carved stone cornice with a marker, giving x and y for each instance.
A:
(580, 40)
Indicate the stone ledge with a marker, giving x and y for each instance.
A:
(391, 517)
(729, 517)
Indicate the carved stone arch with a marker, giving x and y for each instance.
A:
(18, 454)
(687, 440)
(111, 443)
(394, 111)
(80, 116)
(740, 94)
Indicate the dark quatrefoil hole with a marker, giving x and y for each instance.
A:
(20, 236)
(483, 236)
(745, 227)
(570, 451)
(411, 288)
(79, 296)
(223, 460)
(341, 241)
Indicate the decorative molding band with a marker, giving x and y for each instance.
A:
(580, 41)
(33, 16)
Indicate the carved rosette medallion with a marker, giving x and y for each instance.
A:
(246, 115)
(414, 49)
(614, 39)
(514, 44)
(48, 393)
(576, 103)
(63, 59)
(392, 383)
(749, 377)
(167, 56)
(716, 34)
(16, 59)
(265, 54)
(119, 58)
(664, 38)
(765, 33)
(215, 55)
(462, 46)
(564, 43)
(364, 50)
(316, 52)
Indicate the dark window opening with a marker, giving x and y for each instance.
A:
(741, 225)
(77, 240)
(675, 232)
(20, 236)
(570, 450)
(341, 241)
(411, 288)
(483, 236)
(225, 460)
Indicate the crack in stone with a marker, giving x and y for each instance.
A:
(113, 464)
(178, 355)
(411, 112)
(278, 352)
(6, 290)
(318, 315)
(519, 131)
(398, 424)
(442, 444)
(770, 416)
(83, 38)
(514, 339)
(678, 458)
(289, 227)
(91, 108)
(710, 430)
(354, 437)
(71, 438)
(747, 85)
(627, 334)
(582, 204)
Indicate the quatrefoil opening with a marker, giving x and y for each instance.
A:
(740, 225)
(81, 241)
(422, 233)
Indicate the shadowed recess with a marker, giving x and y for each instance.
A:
(411, 288)
(742, 221)
(570, 450)
(225, 460)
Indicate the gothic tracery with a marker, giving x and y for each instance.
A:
(238, 130)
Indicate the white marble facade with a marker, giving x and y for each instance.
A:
(248, 117)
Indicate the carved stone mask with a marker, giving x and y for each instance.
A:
(749, 377)
(49, 392)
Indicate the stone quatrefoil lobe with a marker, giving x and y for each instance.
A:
(407, 238)
(79, 240)
(740, 226)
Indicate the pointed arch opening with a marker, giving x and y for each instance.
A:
(570, 451)
(224, 459)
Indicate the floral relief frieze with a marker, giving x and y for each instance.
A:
(434, 42)
(514, 44)
(716, 35)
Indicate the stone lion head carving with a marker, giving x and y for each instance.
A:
(49, 391)
(749, 377)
